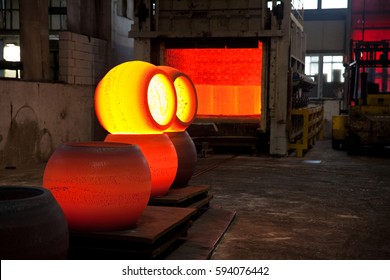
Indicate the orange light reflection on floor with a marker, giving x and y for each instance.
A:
(227, 81)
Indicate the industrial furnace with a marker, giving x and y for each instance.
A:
(241, 56)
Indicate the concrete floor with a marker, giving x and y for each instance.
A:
(326, 205)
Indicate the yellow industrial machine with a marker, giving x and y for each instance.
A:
(339, 131)
(306, 121)
(368, 120)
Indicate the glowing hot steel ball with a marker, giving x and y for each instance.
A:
(99, 186)
(160, 154)
(135, 97)
(187, 103)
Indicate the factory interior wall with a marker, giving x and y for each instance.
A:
(122, 47)
(100, 21)
(36, 117)
(325, 36)
(82, 59)
(331, 108)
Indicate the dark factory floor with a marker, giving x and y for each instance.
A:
(326, 205)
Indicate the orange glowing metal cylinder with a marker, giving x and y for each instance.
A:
(160, 154)
(135, 98)
(99, 186)
(186, 97)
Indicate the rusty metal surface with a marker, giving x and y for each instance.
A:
(371, 129)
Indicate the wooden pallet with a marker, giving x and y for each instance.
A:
(189, 196)
(158, 232)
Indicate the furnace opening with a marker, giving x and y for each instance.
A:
(227, 80)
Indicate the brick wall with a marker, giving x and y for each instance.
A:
(82, 59)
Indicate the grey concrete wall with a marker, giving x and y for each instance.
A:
(84, 15)
(331, 108)
(122, 47)
(36, 117)
(325, 35)
(101, 19)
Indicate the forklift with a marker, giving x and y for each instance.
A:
(367, 122)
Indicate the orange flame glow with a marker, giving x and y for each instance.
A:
(227, 81)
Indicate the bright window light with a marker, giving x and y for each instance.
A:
(334, 4)
(269, 4)
(333, 68)
(11, 52)
(310, 4)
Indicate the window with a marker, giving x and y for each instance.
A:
(334, 4)
(312, 70)
(269, 4)
(311, 63)
(327, 71)
(9, 14)
(332, 69)
(310, 4)
(57, 15)
(11, 53)
(324, 4)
